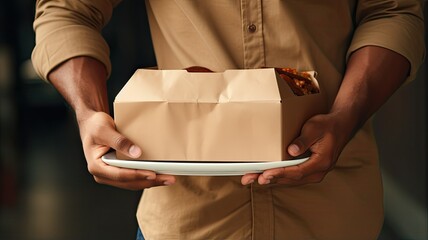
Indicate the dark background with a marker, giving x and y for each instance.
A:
(46, 191)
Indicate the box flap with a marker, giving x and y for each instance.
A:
(252, 85)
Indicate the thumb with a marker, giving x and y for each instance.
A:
(122, 144)
(125, 146)
(100, 129)
(298, 147)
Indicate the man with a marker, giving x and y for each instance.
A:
(362, 50)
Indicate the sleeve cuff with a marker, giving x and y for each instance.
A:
(66, 43)
(396, 35)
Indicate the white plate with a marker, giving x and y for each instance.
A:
(199, 168)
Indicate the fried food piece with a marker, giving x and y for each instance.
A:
(299, 82)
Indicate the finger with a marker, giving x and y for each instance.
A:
(262, 180)
(309, 135)
(316, 164)
(249, 178)
(311, 179)
(300, 145)
(103, 170)
(118, 174)
(321, 160)
(138, 184)
(293, 172)
(132, 185)
(120, 143)
(166, 179)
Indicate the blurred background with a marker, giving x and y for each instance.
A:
(45, 189)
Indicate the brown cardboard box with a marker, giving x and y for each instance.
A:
(236, 116)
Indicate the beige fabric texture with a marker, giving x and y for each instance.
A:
(306, 35)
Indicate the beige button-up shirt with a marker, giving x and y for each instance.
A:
(225, 34)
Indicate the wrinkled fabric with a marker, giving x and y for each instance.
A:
(227, 34)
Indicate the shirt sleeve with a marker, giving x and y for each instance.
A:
(70, 28)
(397, 25)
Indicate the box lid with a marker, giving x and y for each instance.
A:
(182, 86)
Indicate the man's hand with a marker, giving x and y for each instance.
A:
(81, 81)
(98, 134)
(324, 136)
(372, 76)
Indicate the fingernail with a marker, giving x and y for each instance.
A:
(294, 149)
(250, 181)
(269, 177)
(134, 151)
(167, 183)
(267, 182)
(151, 177)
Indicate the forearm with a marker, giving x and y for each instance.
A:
(373, 74)
(80, 21)
(82, 82)
(371, 77)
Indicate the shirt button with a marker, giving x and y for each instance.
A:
(252, 28)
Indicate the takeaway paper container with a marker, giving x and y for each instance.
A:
(232, 116)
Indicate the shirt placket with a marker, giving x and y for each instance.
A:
(252, 31)
(262, 212)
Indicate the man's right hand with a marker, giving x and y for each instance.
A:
(81, 81)
(98, 135)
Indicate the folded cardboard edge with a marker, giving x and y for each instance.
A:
(147, 85)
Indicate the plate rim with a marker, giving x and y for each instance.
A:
(214, 168)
